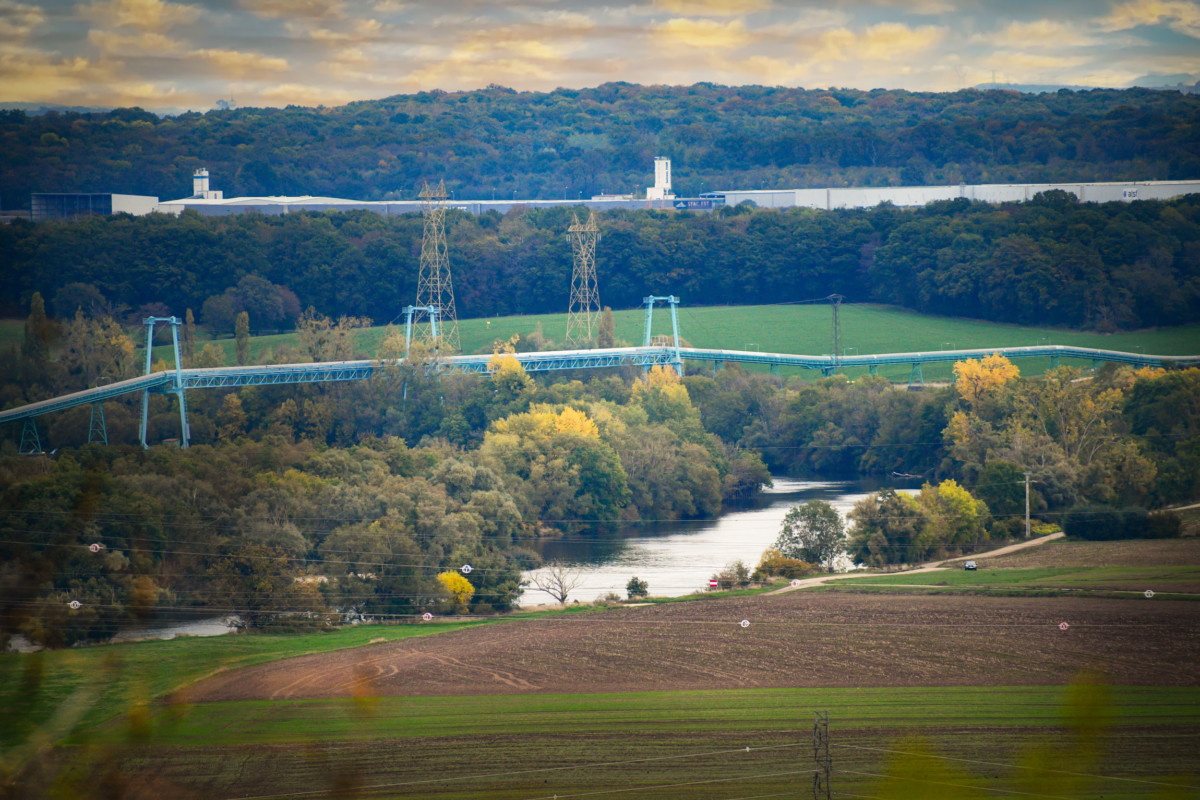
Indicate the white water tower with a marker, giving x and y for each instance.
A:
(200, 186)
(661, 190)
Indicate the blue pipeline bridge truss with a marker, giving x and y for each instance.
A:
(179, 381)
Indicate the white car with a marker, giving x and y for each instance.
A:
(971, 565)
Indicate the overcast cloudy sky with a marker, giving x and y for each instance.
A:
(160, 54)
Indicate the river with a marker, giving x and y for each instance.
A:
(678, 558)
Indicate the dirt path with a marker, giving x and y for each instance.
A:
(932, 566)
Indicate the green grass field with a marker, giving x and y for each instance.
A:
(265, 722)
(796, 329)
(1164, 581)
(99, 683)
(945, 742)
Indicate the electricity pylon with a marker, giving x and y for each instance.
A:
(434, 287)
(584, 310)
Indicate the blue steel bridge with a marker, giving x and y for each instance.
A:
(179, 381)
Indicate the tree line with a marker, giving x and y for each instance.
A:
(1051, 261)
(365, 497)
(496, 142)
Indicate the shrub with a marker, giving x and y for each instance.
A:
(734, 575)
(1009, 528)
(1104, 523)
(775, 564)
(637, 588)
(1164, 525)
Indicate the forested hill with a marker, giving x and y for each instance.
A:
(1051, 261)
(497, 142)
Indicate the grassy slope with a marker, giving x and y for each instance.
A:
(1164, 581)
(1168, 567)
(540, 745)
(799, 329)
(719, 744)
(106, 681)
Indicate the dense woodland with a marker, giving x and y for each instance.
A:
(365, 497)
(1050, 261)
(570, 143)
(297, 506)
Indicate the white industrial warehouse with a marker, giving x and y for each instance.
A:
(209, 202)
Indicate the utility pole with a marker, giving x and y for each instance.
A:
(1026, 505)
(836, 301)
(821, 755)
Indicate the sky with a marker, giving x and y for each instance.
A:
(160, 54)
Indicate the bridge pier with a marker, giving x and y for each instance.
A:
(184, 428)
(96, 427)
(915, 378)
(31, 445)
(1053, 362)
(873, 369)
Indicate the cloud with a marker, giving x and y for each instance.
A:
(1179, 15)
(148, 15)
(33, 76)
(567, 20)
(1038, 33)
(1016, 61)
(804, 22)
(18, 20)
(886, 41)
(713, 8)
(237, 64)
(1107, 77)
(296, 9)
(518, 54)
(702, 33)
(772, 71)
(299, 94)
(362, 30)
(132, 45)
(923, 7)
(889, 40)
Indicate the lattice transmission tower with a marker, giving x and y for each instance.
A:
(434, 287)
(584, 312)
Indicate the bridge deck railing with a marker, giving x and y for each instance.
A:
(273, 374)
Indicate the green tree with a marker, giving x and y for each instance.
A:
(888, 529)
(952, 516)
(637, 588)
(242, 338)
(188, 346)
(1002, 486)
(813, 532)
(35, 347)
(231, 419)
(606, 332)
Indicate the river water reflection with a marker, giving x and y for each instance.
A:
(678, 558)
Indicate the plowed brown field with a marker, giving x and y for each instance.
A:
(793, 640)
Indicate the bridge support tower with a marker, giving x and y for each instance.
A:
(185, 432)
(31, 445)
(673, 301)
(97, 430)
(915, 378)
